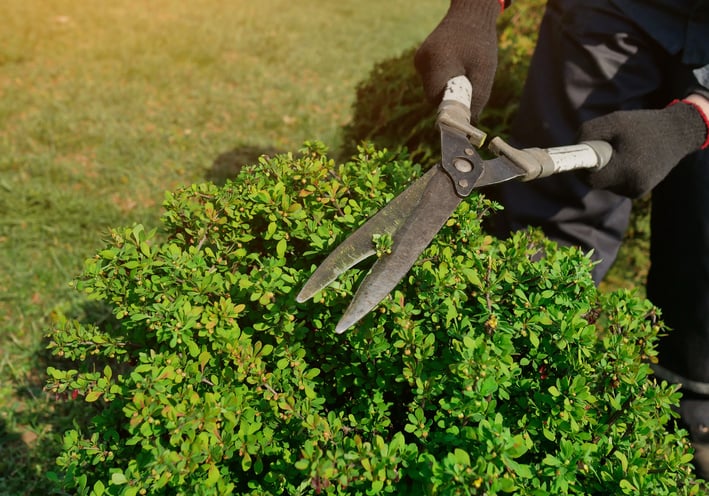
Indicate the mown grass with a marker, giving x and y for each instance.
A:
(104, 106)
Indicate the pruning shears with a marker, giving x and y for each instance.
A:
(414, 217)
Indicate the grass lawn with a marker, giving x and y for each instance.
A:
(104, 106)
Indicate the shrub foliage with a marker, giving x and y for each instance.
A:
(494, 367)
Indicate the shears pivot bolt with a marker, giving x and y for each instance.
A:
(462, 165)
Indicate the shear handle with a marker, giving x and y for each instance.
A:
(543, 162)
(454, 109)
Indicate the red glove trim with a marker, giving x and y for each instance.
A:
(701, 113)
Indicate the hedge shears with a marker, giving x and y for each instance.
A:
(414, 217)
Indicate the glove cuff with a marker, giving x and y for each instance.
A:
(702, 114)
(504, 4)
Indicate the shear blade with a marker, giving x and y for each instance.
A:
(359, 245)
(436, 204)
(499, 170)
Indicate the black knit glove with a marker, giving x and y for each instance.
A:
(463, 44)
(647, 145)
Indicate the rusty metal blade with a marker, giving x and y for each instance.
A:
(437, 202)
(359, 245)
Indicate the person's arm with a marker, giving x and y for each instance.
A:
(648, 144)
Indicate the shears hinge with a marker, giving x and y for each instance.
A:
(459, 160)
(464, 171)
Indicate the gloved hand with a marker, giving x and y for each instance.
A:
(463, 44)
(647, 145)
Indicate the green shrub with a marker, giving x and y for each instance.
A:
(493, 367)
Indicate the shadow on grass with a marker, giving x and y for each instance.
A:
(15, 461)
(31, 436)
(31, 445)
(228, 164)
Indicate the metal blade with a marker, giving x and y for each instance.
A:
(436, 205)
(359, 245)
(498, 170)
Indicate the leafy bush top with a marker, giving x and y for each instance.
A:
(495, 366)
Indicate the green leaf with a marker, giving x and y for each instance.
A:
(193, 348)
(462, 457)
(107, 254)
(488, 386)
(627, 487)
(204, 358)
(472, 276)
(145, 249)
(519, 446)
(523, 471)
(258, 465)
(507, 484)
(118, 479)
(93, 396)
(146, 430)
(246, 462)
(686, 458)
(616, 402)
(56, 373)
(533, 339)
(623, 460)
(281, 248)
(136, 232)
(212, 475)
(99, 488)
